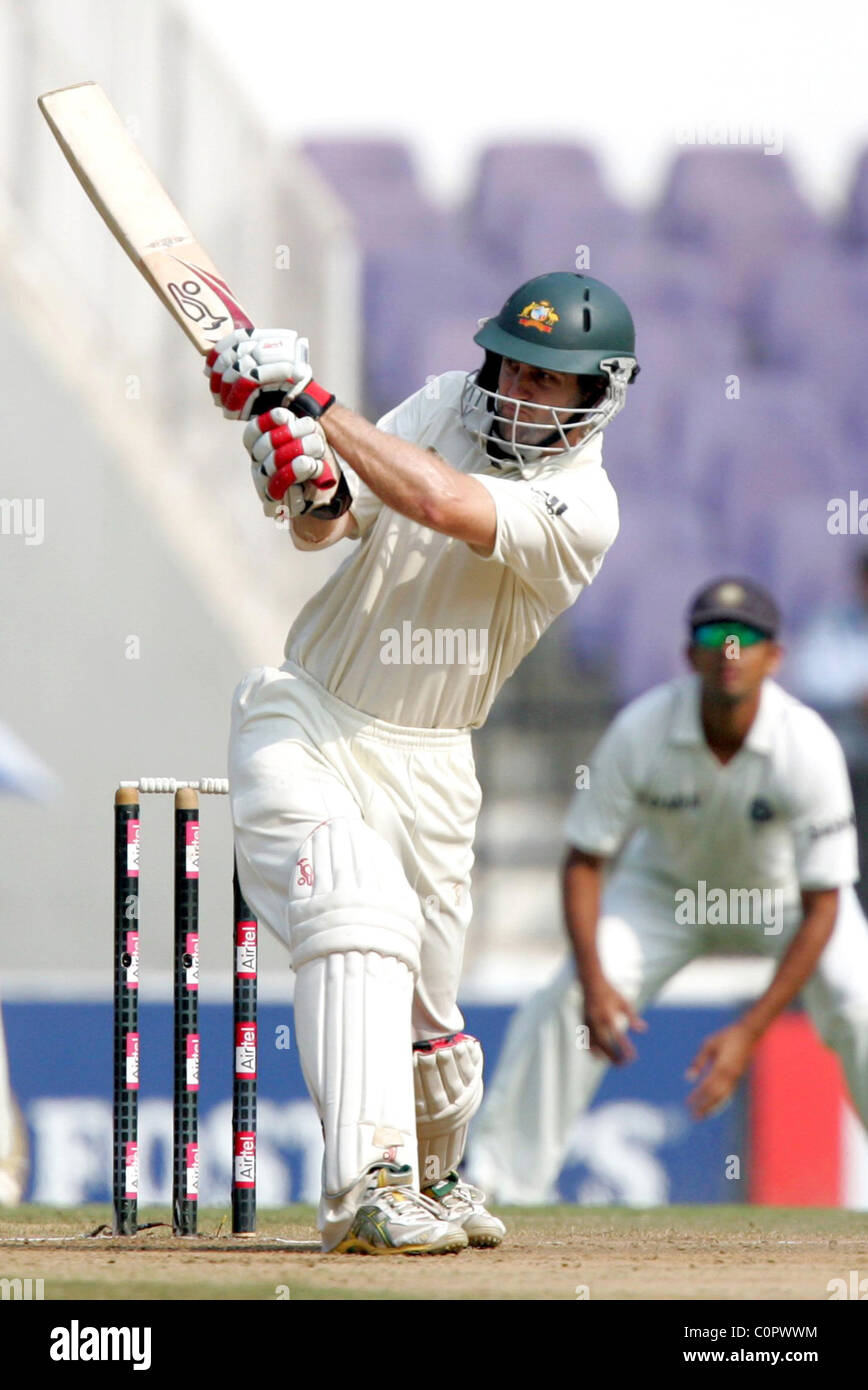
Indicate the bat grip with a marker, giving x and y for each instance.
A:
(269, 400)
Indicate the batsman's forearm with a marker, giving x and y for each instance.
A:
(582, 889)
(796, 966)
(410, 480)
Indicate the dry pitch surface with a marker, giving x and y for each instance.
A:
(695, 1253)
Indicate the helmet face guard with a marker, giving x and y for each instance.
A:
(493, 418)
(560, 322)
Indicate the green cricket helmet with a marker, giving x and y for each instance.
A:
(562, 322)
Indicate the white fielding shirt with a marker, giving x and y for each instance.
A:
(777, 815)
(418, 629)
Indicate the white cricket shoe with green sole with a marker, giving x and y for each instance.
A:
(394, 1219)
(462, 1202)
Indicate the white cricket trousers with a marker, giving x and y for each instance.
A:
(354, 844)
(545, 1078)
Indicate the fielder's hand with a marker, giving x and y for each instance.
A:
(292, 465)
(725, 1055)
(247, 363)
(608, 1015)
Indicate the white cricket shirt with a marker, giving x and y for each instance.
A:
(777, 815)
(417, 629)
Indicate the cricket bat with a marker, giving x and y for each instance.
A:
(142, 217)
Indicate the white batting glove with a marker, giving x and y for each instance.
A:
(249, 361)
(247, 364)
(291, 464)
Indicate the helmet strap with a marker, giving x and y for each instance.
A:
(488, 376)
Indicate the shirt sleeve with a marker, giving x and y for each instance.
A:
(365, 505)
(824, 823)
(602, 814)
(553, 540)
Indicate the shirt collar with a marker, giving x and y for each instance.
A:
(687, 727)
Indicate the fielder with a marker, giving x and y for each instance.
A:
(728, 804)
(24, 774)
(480, 510)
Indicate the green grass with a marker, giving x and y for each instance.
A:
(728, 1217)
(299, 1221)
(84, 1220)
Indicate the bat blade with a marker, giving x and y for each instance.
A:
(140, 214)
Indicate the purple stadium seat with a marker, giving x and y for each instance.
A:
(854, 224)
(852, 406)
(806, 566)
(656, 278)
(809, 311)
(745, 455)
(632, 616)
(352, 162)
(506, 207)
(376, 182)
(680, 366)
(719, 199)
(398, 218)
(563, 236)
(739, 206)
(420, 300)
(654, 632)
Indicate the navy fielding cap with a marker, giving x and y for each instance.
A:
(736, 601)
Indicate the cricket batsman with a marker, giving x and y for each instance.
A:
(718, 815)
(479, 510)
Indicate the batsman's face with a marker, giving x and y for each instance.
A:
(735, 670)
(534, 391)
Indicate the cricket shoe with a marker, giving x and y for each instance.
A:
(463, 1203)
(395, 1219)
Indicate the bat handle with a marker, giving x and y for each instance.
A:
(269, 400)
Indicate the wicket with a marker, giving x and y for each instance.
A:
(185, 1140)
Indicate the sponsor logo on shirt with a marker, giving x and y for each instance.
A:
(679, 802)
(553, 505)
(831, 827)
(761, 810)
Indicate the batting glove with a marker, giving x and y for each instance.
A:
(291, 464)
(244, 366)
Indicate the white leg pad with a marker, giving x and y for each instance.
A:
(352, 1021)
(348, 892)
(448, 1081)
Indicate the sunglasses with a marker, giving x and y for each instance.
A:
(716, 635)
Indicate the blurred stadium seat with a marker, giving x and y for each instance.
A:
(741, 208)
(854, 224)
(505, 214)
